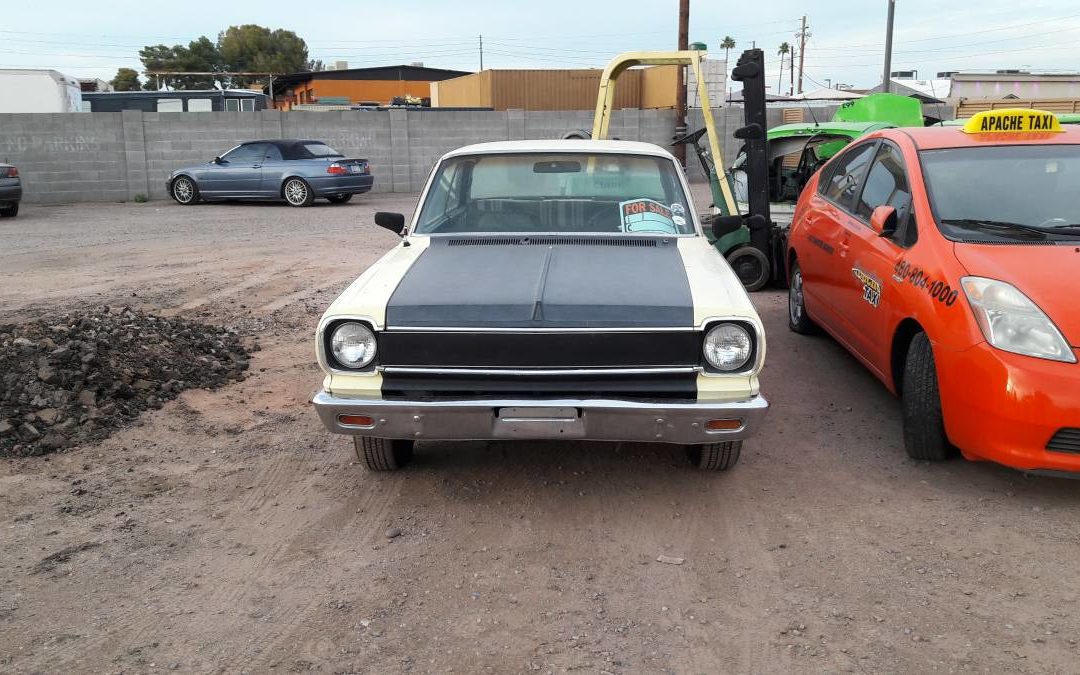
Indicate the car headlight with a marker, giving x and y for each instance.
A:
(728, 346)
(352, 345)
(1011, 322)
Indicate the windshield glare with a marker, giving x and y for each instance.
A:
(1032, 185)
(564, 192)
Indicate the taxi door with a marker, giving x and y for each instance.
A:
(868, 296)
(829, 224)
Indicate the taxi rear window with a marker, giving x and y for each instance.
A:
(1005, 192)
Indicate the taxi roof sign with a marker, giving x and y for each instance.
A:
(1012, 121)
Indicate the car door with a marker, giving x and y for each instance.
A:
(825, 260)
(273, 172)
(239, 174)
(865, 295)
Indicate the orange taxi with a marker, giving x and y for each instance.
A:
(947, 260)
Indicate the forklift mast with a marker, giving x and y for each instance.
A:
(750, 70)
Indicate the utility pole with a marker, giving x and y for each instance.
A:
(791, 73)
(886, 80)
(481, 52)
(802, 35)
(680, 81)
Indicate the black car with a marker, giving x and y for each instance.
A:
(10, 191)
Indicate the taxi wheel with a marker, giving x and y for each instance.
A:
(924, 426)
(382, 454)
(715, 456)
(751, 266)
(798, 320)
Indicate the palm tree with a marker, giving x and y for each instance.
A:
(727, 44)
(784, 50)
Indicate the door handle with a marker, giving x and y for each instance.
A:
(256, 166)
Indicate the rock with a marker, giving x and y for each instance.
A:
(393, 533)
(670, 560)
(23, 343)
(29, 431)
(53, 441)
(87, 398)
(48, 375)
(48, 415)
(6, 427)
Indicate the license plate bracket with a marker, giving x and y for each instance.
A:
(539, 422)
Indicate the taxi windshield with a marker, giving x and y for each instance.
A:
(555, 193)
(1005, 192)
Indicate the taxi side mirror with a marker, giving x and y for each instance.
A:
(883, 221)
(395, 222)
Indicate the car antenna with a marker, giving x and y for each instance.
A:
(806, 102)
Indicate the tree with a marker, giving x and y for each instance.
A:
(727, 44)
(127, 79)
(784, 50)
(315, 66)
(247, 48)
(253, 48)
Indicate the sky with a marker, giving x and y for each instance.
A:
(846, 43)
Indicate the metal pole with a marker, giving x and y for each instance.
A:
(802, 49)
(481, 52)
(886, 80)
(680, 81)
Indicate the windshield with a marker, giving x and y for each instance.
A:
(564, 192)
(1005, 192)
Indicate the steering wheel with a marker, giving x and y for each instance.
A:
(1054, 222)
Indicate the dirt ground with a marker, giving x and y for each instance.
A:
(228, 532)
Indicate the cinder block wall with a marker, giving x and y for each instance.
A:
(117, 156)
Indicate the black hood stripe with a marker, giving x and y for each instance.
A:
(506, 282)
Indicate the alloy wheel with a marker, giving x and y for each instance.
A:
(795, 298)
(296, 192)
(183, 190)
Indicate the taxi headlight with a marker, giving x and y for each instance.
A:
(1011, 322)
(352, 345)
(728, 346)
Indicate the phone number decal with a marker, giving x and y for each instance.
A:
(936, 289)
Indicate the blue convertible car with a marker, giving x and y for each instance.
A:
(294, 170)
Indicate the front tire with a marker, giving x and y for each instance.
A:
(798, 320)
(751, 266)
(184, 190)
(924, 425)
(715, 456)
(9, 211)
(297, 192)
(382, 454)
(339, 199)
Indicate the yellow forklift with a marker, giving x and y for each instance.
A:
(752, 244)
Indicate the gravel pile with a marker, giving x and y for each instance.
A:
(78, 377)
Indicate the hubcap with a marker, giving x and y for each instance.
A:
(295, 192)
(182, 190)
(795, 297)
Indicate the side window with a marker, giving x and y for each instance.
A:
(441, 198)
(886, 184)
(273, 154)
(844, 179)
(246, 154)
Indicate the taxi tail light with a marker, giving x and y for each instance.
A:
(723, 425)
(336, 169)
(12, 172)
(356, 420)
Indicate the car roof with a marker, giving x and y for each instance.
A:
(940, 137)
(283, 142)
(561, 145)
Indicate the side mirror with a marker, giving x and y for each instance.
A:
(395, 222)
(883, 221)
(218, 160)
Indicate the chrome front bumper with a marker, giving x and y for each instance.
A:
(588, 419)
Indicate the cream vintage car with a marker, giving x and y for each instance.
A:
(545, 290)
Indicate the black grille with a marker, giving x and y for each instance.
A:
(584, 349)
(678, 386)
(1065, 440)
(557, 241)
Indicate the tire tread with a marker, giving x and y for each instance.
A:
(924, 425)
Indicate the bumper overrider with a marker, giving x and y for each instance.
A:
(682, 422)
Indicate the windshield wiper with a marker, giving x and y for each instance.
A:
(1004, 225)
